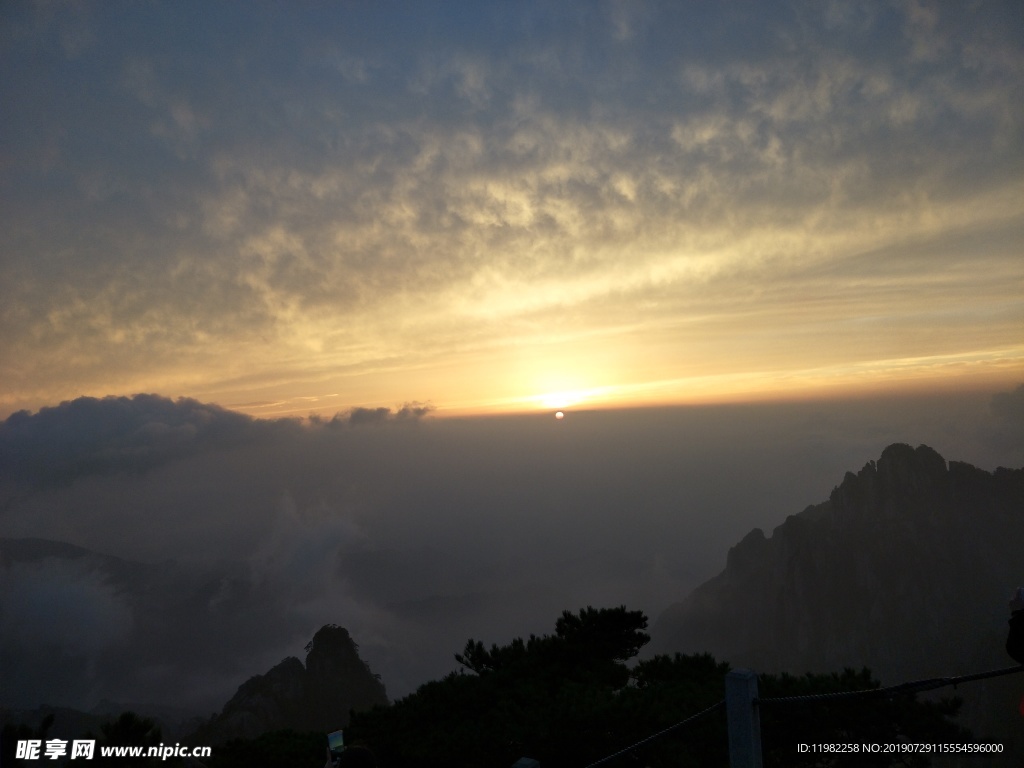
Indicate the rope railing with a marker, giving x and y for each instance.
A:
(652, 737)
(916, 686)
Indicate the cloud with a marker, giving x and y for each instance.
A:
(336, 200)
(413, 411)
(360, 416)
(62, 622)
(62, 604)
(113, 434)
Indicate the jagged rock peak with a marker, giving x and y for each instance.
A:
(904, 570)
(316, 696)
(901, 466)
(899, 471)
(330, 638)
(337, 678)
(333, 654)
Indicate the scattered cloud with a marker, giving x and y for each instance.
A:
(333, 200)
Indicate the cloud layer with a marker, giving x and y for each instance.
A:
(312, 209)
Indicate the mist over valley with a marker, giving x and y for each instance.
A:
(198, 546)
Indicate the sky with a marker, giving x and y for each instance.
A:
(289, 293)
(508, 207)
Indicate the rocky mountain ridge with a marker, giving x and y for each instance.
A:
(315, 696)
(906, 569)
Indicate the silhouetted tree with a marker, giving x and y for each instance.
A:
(127, 730)
(12, 734)
(569, 699)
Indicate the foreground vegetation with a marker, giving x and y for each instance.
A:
(569, 699)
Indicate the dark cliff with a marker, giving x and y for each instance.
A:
(317, 696)
(906, 569)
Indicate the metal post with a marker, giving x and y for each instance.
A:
(744, 719)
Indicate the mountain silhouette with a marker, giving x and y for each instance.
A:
(906, 569)
(317, 696)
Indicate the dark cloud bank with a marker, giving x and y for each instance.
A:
(226, 541)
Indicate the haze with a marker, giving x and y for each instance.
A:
(415, 533)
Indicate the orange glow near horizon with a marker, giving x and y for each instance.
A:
(993, 371)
